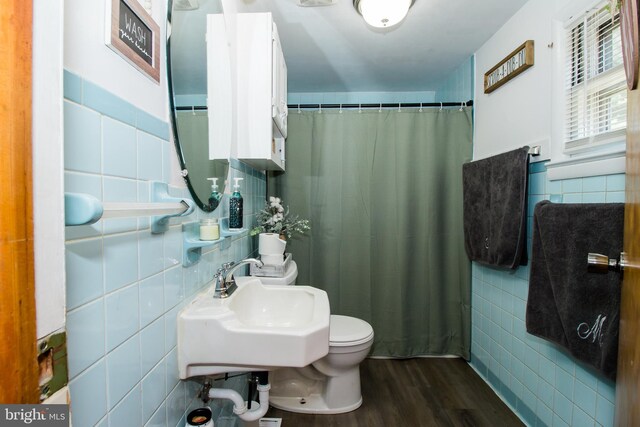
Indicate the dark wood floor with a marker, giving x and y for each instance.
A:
(415, 393)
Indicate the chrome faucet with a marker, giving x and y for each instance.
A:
(225, 282)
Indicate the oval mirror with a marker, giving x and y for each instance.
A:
(188, 91)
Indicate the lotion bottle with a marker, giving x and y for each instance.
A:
(214, 199)
(235, 207)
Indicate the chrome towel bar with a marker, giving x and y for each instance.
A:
(598, 263)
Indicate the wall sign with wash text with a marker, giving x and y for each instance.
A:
(515, 63)
(133, 34)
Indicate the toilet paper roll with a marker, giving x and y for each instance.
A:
(271, 244)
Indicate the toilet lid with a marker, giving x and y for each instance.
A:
(345, 330)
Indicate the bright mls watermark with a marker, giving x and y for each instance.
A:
(34, 415)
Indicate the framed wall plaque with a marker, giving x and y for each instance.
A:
(133, 34)
(512, 65)
(630, 39)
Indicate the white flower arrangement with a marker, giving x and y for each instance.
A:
(275, 219)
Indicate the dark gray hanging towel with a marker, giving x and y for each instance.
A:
(567, 304)
(495, 209)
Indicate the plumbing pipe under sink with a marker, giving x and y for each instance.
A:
(240, 406)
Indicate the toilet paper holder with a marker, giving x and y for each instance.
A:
(271, 270)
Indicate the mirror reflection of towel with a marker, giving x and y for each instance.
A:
(567, 304)
(495, 209)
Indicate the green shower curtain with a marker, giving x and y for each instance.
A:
(383, 191)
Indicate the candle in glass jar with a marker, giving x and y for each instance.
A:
(209, 229)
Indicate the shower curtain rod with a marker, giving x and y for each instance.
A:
(386, 105)
(367, 105)
(191, 107)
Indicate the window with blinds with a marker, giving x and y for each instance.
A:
(596, 94)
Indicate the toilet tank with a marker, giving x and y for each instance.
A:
(288, 279)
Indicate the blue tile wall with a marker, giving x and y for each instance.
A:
(125, 286)
(538, 379)
(359, 97)
(459, 85)
(82, 136)
(121, 315)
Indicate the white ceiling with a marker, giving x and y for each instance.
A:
(331, 49)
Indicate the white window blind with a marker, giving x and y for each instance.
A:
(596, 94)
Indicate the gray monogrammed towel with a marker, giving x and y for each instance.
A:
(495, 209)
(567, 304)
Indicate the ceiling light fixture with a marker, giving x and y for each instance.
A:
(383, 13)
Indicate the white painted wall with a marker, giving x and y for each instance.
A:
(48, 163)
(519, 112)
(86, 54)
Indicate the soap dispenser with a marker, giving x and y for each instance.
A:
(235, 207)
(214, 199)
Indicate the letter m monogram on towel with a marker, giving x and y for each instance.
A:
(595, 332)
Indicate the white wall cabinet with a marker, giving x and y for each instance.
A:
(262, 92)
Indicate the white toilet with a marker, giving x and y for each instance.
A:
(330, 385)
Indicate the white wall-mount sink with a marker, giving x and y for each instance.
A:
(257, 328)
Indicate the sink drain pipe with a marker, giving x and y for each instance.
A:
(240, 407)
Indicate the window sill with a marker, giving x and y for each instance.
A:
(608, 163)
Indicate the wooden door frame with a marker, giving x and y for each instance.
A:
(18, 358)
